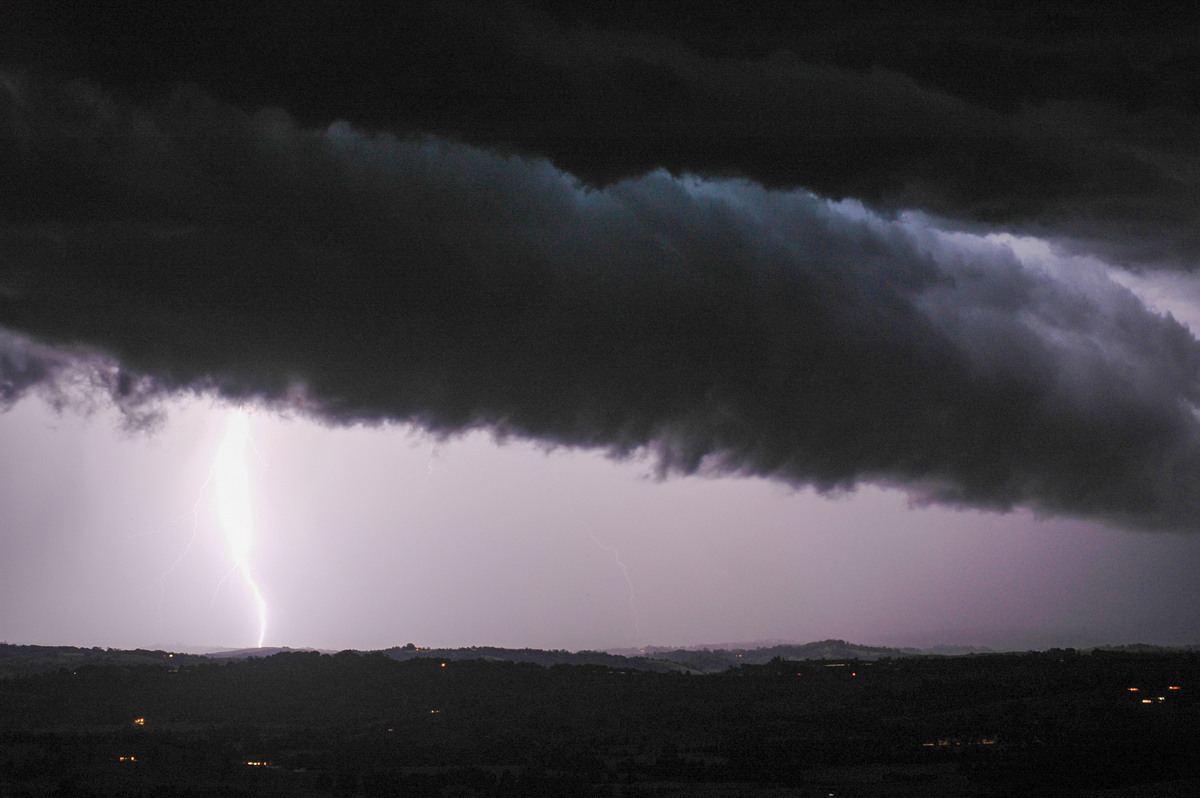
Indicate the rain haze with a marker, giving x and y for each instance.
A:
(344, 326)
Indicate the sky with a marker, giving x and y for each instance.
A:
(348, 325)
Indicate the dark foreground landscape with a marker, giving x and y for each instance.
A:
(407, 722)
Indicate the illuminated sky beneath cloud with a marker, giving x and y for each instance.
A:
(372, 538)
(591, 327)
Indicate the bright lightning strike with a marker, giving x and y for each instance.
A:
(231, 482)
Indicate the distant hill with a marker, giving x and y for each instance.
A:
(535, 655)
(19, 660)
(243, 653)
(27, 660)
(708, 660)
(1146, 648)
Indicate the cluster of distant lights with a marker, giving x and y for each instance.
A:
(1157, 699)
(257, 763)
(941, 743)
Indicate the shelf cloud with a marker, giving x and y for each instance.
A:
(725, 324)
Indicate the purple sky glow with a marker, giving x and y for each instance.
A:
(599, 325)
(371, 538)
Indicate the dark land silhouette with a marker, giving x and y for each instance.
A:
(411, 721)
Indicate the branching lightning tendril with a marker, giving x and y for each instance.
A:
(637, 624)
(162, 579)
(431, 466)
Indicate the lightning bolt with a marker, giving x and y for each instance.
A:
(637, 624)
(431, 466)
(231, 482)
(162, 579)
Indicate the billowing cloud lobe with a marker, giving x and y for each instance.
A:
(724, 327)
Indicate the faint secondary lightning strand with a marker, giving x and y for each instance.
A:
(232, 483)
(637, 624)
(431, 466)
(191, 539)
(162, 579)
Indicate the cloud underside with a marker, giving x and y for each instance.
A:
(1045, 121)
(719, 325)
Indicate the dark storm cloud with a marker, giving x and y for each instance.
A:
(1044, 119)
(75, 380)
(721, 326)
